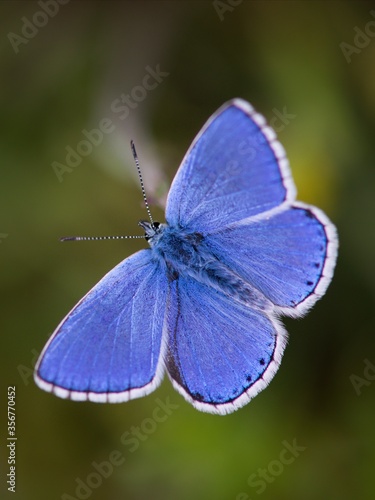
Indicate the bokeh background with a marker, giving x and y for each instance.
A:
(314, 61)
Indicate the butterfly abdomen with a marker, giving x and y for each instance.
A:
(217, 275)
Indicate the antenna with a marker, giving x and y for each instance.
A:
(91, 238)
(141, 181)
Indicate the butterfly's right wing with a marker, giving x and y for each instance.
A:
(109, 347)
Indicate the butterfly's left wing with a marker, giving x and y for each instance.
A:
(221, 352)
(234, 169)
(109, 347)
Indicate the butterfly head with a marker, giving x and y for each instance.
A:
(153, 231)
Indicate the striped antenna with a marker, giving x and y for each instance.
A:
(91, 238)
(135, 156)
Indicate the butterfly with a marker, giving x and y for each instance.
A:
(203, 303)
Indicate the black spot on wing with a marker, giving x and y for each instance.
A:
(198, 397)
(309, 214)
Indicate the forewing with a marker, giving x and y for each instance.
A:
(109, 347)
(221, 353)
(289, 256)
(234, 169)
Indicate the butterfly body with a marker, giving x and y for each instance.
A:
(178, 248)
(204, 302)
(188, 254)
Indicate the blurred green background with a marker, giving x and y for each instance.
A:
(65, 77)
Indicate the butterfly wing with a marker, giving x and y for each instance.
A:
(234, 169)
(221, 352)
(288, 256)
(234, 186)
(109, 347)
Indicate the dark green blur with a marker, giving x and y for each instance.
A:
(66, 78)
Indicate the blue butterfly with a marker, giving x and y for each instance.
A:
(204, 301)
